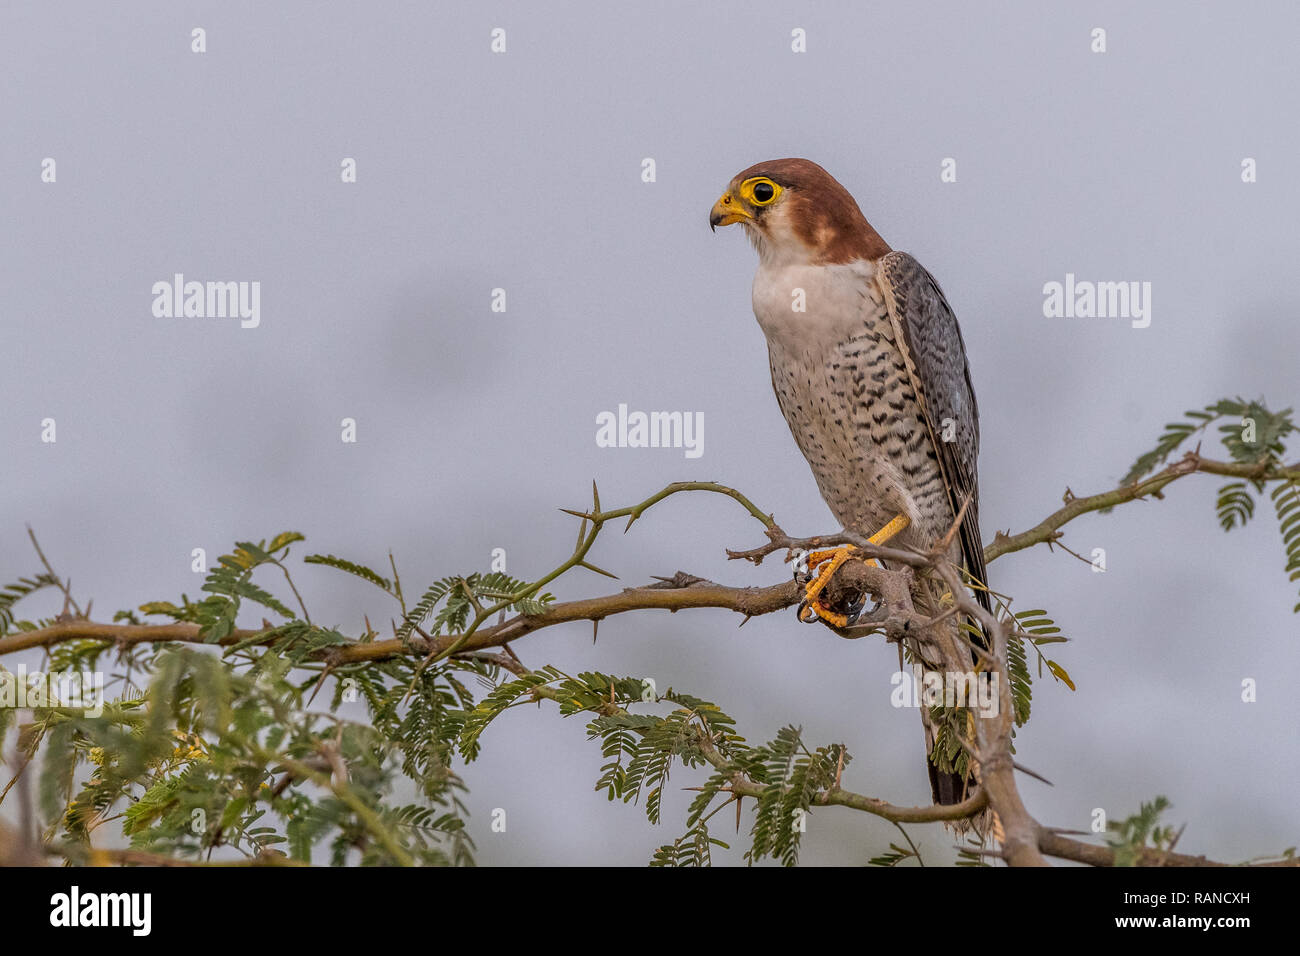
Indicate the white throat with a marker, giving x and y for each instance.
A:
(800, 306)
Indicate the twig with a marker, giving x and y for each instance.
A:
(66, 588)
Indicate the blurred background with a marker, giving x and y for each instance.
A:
(522, 171)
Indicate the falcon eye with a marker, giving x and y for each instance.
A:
(760, 191)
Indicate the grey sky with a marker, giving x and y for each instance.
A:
(522, 171)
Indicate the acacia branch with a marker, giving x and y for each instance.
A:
(1048, 530)
(1024, 840)
(1064, 848)
(748, 601)
(742, 785)
(744, 600)
(839, 797)
(109, 857)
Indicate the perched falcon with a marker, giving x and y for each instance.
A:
(870, 371)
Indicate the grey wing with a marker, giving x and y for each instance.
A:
(941, 378)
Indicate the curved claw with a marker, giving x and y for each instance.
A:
(854, 610)
(810, 612)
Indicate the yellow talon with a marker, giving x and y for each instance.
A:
(891, 530)
(826, 563)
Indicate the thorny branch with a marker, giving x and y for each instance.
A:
(1024, 841)
(1048, 530)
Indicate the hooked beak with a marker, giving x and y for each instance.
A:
(726, 211)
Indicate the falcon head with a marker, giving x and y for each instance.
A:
(793, 210)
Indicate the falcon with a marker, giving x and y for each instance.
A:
(870, 372)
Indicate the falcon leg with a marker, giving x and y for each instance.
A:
(824, 564)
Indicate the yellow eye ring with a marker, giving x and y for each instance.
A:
(760, 191)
